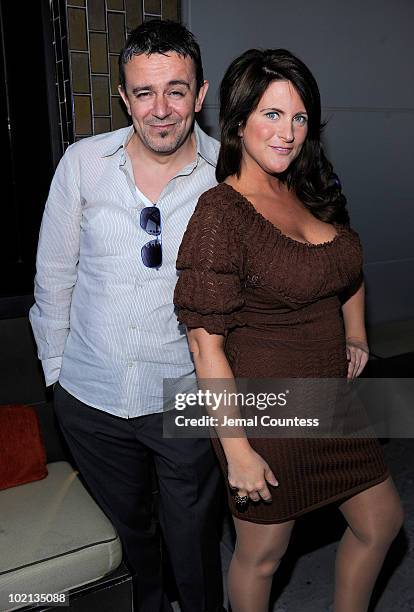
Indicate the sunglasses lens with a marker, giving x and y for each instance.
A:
(151, 254)
(150, 220)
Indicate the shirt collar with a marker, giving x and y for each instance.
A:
(204, 144)
(119, 139)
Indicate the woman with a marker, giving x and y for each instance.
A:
(270, 286)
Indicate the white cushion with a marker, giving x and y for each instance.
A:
(53, 536)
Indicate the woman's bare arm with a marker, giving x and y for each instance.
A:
(248, 472)
(353, 311)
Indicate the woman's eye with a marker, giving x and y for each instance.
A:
(301, 119)
(272, 115)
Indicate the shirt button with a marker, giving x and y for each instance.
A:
(132, 327)
(131, 364)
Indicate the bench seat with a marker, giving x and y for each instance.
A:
(53, 537)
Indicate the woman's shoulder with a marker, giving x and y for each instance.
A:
(348, 231)
(223, 204)
(222, 195)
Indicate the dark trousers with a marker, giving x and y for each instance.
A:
(115, 458)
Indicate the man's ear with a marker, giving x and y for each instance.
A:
(200, 96)
(125, 98)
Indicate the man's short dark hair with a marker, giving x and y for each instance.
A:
(161, 36)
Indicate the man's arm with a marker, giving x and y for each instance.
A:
(56, 266)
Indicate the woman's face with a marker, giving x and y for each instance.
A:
(276, 130)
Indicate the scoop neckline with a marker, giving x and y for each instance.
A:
(309, 245)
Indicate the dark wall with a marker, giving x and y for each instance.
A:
(21, 378)
(362, 54)
(26, 142)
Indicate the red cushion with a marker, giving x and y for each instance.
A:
(22, 452)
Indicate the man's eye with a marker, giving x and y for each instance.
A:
(272, 115)
(143, 94)
(176, 94)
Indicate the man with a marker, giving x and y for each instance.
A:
(104, 320)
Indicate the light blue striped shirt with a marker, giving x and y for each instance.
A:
(104, 324)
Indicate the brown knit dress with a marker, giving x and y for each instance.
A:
(276, 300)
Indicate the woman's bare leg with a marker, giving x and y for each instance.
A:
(374, 518)
(257, 555)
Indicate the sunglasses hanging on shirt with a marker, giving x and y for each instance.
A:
(151, 252)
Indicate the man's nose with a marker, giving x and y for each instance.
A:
(161, 107)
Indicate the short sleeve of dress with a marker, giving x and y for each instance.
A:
(208, 293)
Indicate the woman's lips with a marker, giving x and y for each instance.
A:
(282, 150)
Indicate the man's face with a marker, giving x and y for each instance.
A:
(160, 95)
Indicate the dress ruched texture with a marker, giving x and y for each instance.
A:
(277, 301)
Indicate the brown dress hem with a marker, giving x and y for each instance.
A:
(345, 495)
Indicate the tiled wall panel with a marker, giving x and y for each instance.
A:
(98, 52)
(80, 72)
(171, 10)
(96, 15)
(88, 36)
(60, 19)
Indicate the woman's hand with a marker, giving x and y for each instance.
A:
(357, 353)
(248, 474)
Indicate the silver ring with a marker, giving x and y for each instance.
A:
(241, 501)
